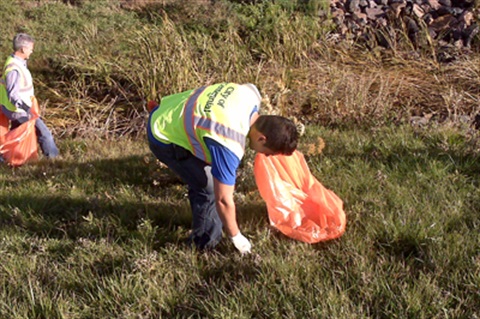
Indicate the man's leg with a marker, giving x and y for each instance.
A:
(206, 226)
(45, 139)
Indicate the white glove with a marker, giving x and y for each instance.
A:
(241, 243)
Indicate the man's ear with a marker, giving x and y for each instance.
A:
(262, 139)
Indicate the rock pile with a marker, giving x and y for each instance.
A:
(449, 21)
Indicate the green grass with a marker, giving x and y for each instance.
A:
(99, 233)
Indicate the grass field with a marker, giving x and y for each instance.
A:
(100, 232)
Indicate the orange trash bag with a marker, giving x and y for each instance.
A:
(298, 205)
(19, 145)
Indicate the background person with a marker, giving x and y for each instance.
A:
(201, 135)
(17, 92)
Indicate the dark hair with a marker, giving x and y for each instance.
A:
(21, 40)
(281, 133)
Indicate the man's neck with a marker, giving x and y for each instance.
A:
(19, 55)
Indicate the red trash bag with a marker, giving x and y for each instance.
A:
(20, 144)
(151, 105)
(298, 205)
(3, 127)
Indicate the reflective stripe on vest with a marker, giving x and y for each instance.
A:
(220, 112)
(193, 123)
(25, 88)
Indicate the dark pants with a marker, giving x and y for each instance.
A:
(207, 226)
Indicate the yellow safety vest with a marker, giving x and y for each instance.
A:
(26, 90)
(221, 112)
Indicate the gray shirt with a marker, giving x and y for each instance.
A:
(12, 86)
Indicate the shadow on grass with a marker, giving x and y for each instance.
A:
(131, 170)
(96, 212)
(72, 212)
(60, 216)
